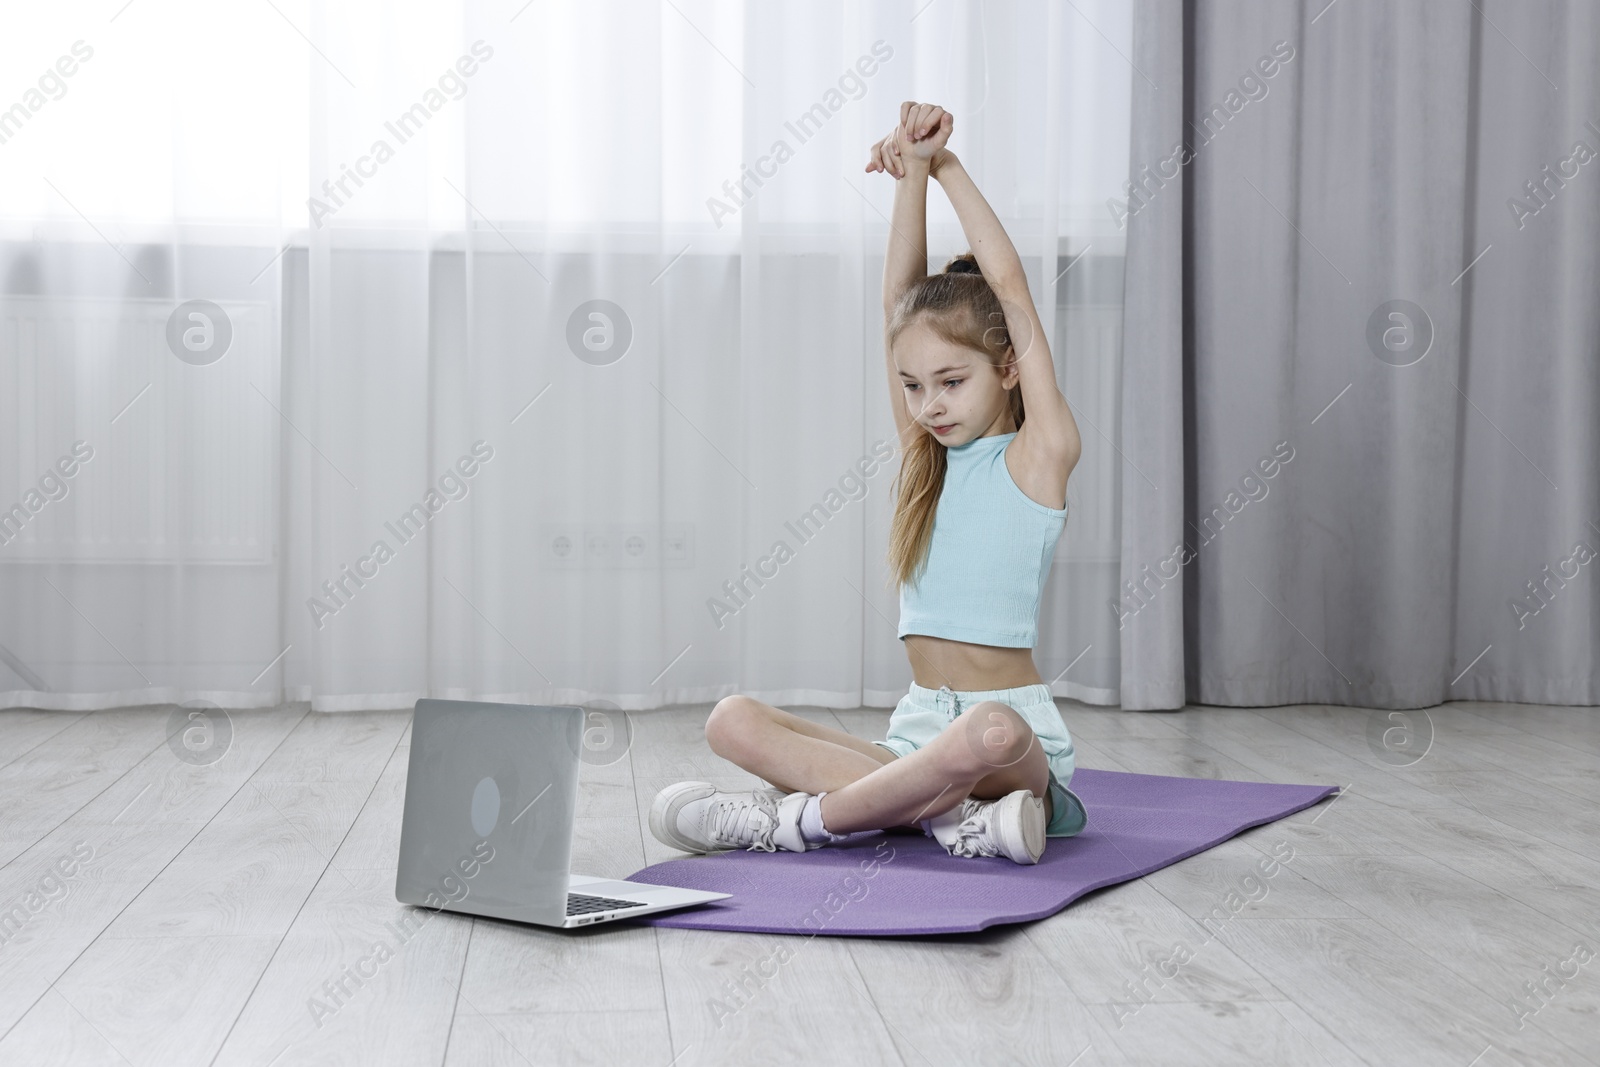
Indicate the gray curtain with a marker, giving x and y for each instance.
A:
(1360, 388)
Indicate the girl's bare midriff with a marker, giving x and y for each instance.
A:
(938, 661)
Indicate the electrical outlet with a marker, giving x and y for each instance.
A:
(617, 546)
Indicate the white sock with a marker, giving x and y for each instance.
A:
(811, 828)
(942, 828)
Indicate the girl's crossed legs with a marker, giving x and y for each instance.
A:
(987, 752)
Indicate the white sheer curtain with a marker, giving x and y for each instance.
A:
(402, 350)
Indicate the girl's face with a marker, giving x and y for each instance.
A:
(953, 392)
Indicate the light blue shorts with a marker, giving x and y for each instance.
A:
(923, 714)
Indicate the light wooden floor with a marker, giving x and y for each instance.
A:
(1411, 922)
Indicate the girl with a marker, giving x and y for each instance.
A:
(977, 755)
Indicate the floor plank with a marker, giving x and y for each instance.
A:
(1387, 1002)
(222, 913)
(23, 729)
(985, 998)
(1181, 1033)
(1129, 945)
(728, 998)
(156, 1000)
(581, 1038)
(140, 819)
(1457, 923)
(328, 996)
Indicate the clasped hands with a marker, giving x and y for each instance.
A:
(916, 144)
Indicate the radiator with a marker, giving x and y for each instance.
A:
(183, 452)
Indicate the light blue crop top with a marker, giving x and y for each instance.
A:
(990, 554)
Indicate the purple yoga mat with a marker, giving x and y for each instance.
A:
(878, 884)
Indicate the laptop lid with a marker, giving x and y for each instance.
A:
(491, 795)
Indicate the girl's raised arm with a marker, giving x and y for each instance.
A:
(904, 264)
(1050, 431)
(905, 261)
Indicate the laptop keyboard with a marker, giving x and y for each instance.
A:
(584, 904)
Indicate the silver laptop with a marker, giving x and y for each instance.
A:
(491, 796)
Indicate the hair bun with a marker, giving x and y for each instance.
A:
(965, 263)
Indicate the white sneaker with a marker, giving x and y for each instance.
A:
(696, 817)
(1012, 826)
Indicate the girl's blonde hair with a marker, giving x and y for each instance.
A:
(962, 309)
